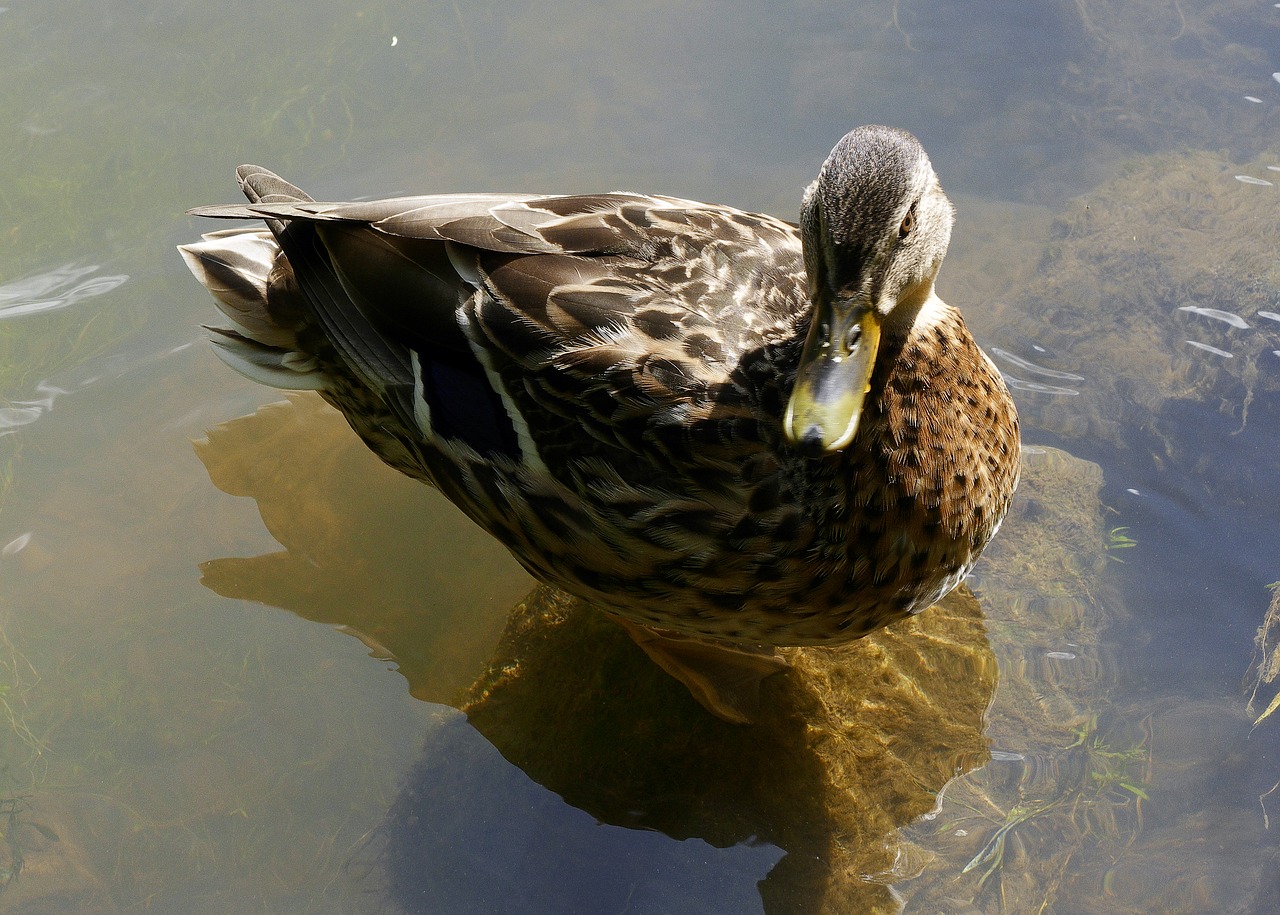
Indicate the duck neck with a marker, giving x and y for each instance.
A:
(911, 307)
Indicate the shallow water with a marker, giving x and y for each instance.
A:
(170, 739)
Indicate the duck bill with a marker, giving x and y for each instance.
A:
(834, 377)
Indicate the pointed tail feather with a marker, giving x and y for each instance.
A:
(235, 266)
(263, 186)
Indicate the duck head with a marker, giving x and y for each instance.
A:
(875, 227)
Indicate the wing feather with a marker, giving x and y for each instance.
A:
(624, 313)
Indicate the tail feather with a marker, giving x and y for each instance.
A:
(235, 265)
(288, 370)
(263, 186)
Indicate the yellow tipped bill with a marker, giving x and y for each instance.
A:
(833, 379)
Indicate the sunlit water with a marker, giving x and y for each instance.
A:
(171, 738)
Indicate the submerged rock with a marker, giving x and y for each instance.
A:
(1161, 285)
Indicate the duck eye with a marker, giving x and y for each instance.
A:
(908, 223)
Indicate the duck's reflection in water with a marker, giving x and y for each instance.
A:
(683, 812)
(365, 547)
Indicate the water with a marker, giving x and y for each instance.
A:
(169, 738)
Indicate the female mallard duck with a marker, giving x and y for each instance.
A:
(727, 431)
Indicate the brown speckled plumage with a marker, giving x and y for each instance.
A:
(603, 383)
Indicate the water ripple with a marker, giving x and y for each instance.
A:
(1210, 349)
(17, 544)
(25, 412)
(1020, 384)
(1028, 366)
(12, 417)
(1007, 756)
(1218, 315)
(57, 288)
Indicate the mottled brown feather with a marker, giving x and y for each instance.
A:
(647, 347)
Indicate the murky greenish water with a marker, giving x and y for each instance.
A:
(231, 676)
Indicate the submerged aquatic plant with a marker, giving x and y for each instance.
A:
(1117, 539)
(1110, 767)
(1266, 657)
(1094, 799)
(21, 754)
(17, 678)
(11, 864)
(12, 824)
(992, 853)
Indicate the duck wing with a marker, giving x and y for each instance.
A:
(525, 325)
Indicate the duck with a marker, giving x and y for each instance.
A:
(730, 432)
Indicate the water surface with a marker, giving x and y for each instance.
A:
(229, 674)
